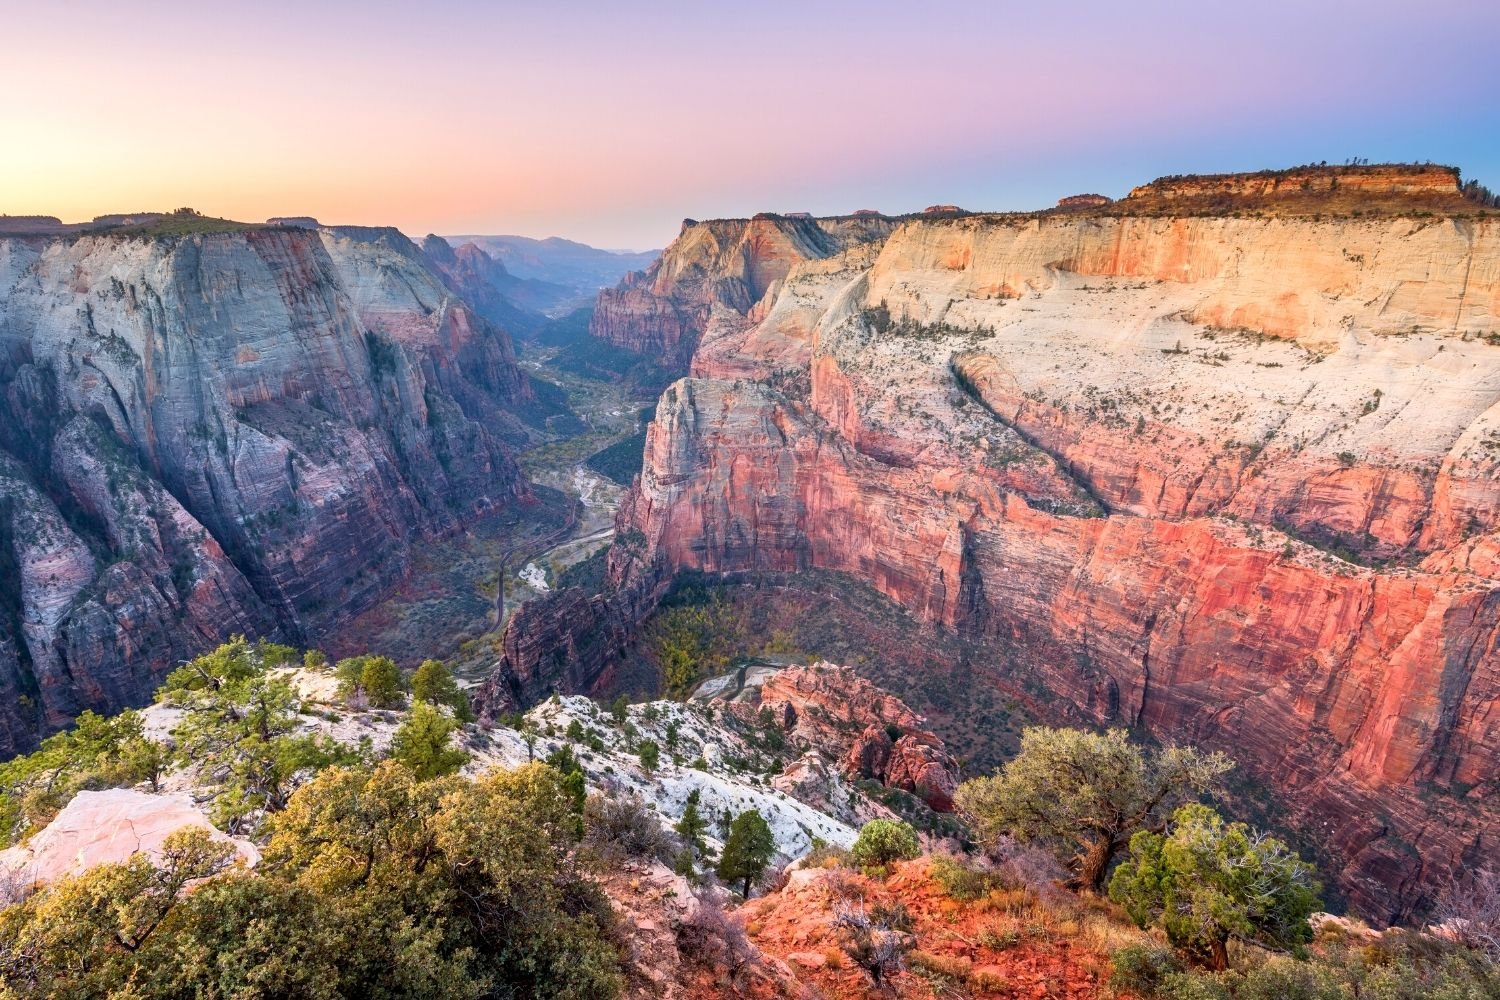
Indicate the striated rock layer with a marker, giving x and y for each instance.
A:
(713, 273)
(1231, 480)
(225, 432)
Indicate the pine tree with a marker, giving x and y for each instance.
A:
(422, 743)
(692, 826)
(747, 851)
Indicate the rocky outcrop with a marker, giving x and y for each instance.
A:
(110, 827)
(560, 643)
(1377, 179)
(239, 431)
(872, 732)
(1231, 480)
(1083, 201)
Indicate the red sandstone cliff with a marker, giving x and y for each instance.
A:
(1232, 480)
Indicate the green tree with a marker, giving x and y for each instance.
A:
(434, 682)
(1206, 881)
(747, 851)
(241, 729)
(382, 681)
(375, 678)
(1084, 794)
(650, 755)
(692, 828)
(374, 884)
(422, 743)
(82, 931)
(98, 752)
(617, 709)
(529, 736)
(882, 841)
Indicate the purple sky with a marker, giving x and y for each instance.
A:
(609, 122)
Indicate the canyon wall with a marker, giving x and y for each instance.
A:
(1230, 480)
(239, 431)
(713, 274)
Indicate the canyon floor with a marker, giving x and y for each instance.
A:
(446, 605)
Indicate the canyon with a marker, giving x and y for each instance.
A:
(1216, 461)
(213, 428)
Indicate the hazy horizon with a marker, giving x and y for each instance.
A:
(608, 125)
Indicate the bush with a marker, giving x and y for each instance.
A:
(1289, 979)
(883, 841)
(1196, 986)
(422, 743)
(375, 885)
(1208, 881)
(1083, 794)
(964, 881)
(1141, 968)
(711, 938)
(623, 827)
(824, 855)
(376, 678)
(1471, 908)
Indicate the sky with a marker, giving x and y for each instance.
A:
(609, 122)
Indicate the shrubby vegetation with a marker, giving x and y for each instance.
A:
(375, 883)
(434, 682)
(1085, 794)
(398, 877)
(373, 680)
(422, 743)
(882, 842)
(240, 729)
(1397, 965)
(699, 633)
(1206, 881)
(96, 753)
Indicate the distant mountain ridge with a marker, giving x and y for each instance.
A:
(561, 261)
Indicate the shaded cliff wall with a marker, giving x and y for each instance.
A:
(221, 433)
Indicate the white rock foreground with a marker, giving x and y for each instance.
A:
(109, 827)
(102, 827)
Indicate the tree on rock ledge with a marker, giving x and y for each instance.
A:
(747, 851)
(1085, 794)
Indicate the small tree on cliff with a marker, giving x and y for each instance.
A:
(422, 743)
(1085, 794)
(692, 826)
(376, 678)
(747, 851)
(1207, 881)
(434, 682)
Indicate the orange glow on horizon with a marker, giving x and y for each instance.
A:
(609, 124)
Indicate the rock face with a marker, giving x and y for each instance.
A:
(714, 273)
(825, 706)
(1379, 180)
(108, 827)
(516, 304)
(1231, 480)
(225, 432)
